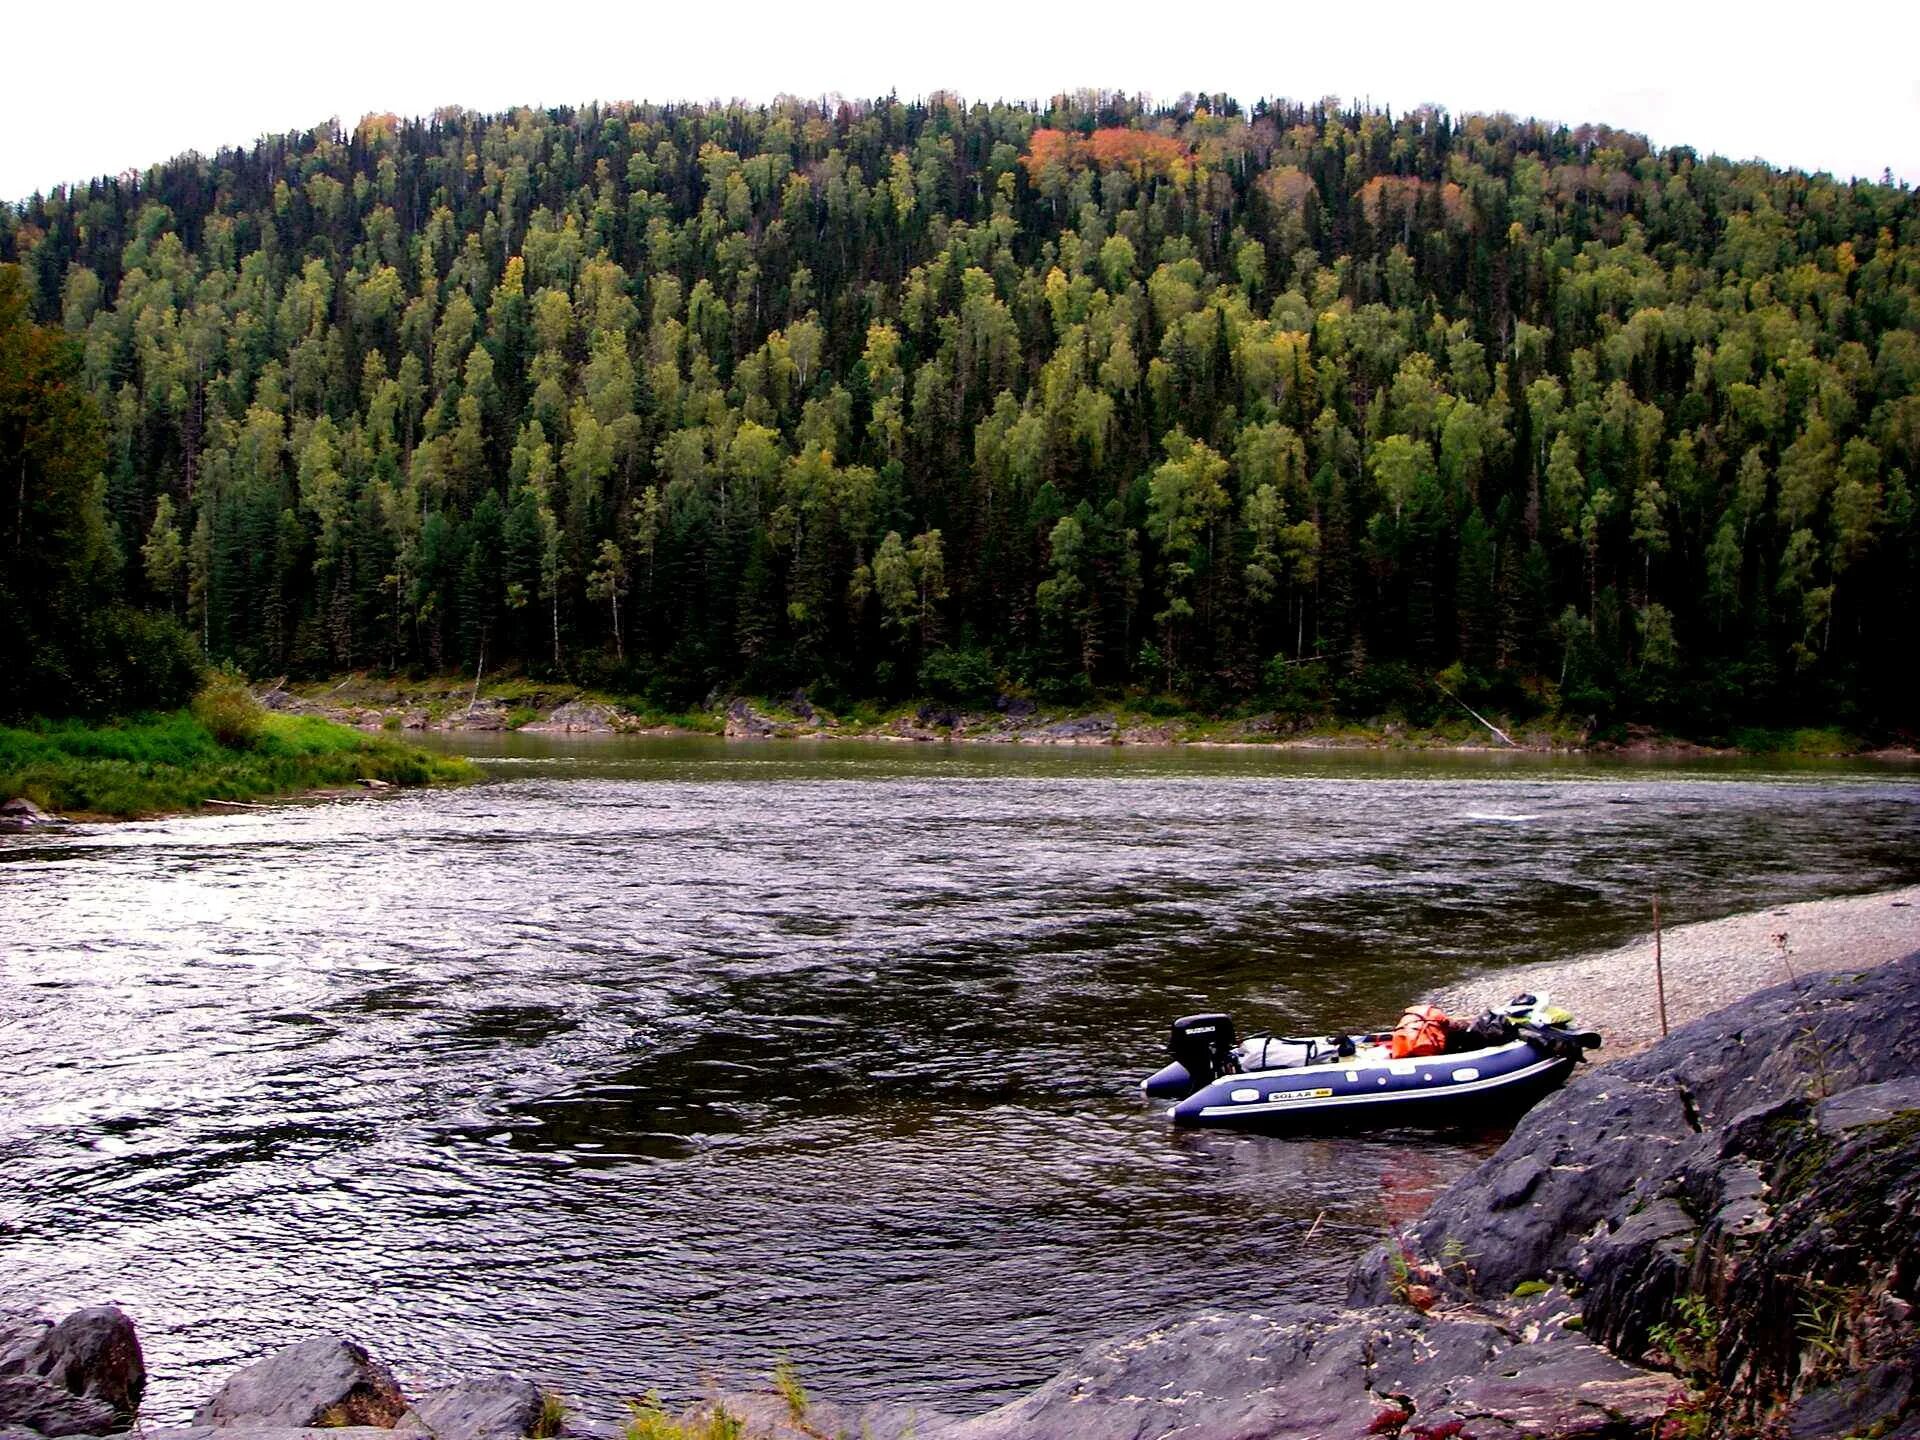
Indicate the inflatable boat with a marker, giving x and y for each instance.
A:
(1489, 1070)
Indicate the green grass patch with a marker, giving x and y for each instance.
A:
(156, 764)
(649, 1420)
(1805, 743)
(649, 715)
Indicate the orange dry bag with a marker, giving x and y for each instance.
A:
(1421, 1031)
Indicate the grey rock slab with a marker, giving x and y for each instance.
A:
(1868, 1105)
(19, 1336)
(328, 1379)
(485, 1407)
(245, 1431)
(30, 1403)
(1298, 1370)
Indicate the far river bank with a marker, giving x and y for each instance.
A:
(512, 704)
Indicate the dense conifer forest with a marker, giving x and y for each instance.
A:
(1305, 407)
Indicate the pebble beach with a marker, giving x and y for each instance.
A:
(1709, 965)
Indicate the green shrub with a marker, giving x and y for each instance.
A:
(960, 677)
(1374, 690)
(1296, 688)
(228, 710)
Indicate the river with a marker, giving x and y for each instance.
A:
(646, 1063)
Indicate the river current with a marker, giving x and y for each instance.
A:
(647, 1063)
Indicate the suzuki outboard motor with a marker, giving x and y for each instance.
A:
(1202, 1049)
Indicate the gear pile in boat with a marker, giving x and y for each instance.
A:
(1429, 1069)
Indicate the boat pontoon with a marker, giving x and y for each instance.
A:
(1489, 1070)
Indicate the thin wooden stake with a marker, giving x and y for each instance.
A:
(1659, 971)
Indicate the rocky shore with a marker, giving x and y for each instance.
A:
(1717, 1236)
(1010, 719)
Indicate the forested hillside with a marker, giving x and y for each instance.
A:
(1300, 407)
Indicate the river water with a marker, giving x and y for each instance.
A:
(647, 1063)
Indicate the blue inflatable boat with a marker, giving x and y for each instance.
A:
(1508, 1061)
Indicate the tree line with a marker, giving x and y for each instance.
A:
(1302, 406)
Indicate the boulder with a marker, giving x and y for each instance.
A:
(479, 715)
(327, 1381)
(1079, 730)
(746, 723)
(83, 1376)
(20, 814)
(576, 717)
(486, 1407)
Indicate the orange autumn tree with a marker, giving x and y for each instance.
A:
(1395, 198)
(1116, 147)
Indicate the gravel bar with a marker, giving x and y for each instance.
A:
(1708, 965)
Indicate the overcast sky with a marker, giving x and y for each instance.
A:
(86, 90)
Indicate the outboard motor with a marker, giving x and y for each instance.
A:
(1203, 1046)
(1203, 1050)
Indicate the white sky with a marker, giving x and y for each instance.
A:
(101, 88)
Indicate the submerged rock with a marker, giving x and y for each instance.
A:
(327, 1381)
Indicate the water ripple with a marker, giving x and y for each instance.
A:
(651, 1062)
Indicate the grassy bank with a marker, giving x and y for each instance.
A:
(155, 764)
